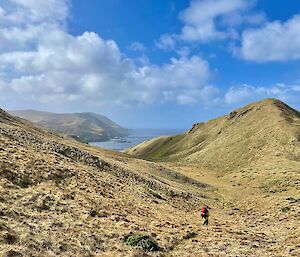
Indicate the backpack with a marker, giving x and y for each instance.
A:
(204, 212)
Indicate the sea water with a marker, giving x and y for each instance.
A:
(136, 137)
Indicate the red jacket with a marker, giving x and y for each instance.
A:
(204, 212)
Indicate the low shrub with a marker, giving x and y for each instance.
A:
(147, 243)
(285, 209)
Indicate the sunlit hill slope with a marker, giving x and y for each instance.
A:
(268, 129)
(89, 127)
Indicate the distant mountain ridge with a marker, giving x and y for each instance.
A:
(89, 127)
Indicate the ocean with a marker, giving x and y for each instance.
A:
(136, 137)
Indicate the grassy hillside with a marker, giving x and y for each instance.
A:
(89, 127)
(60, 197)
(268, 129)
(260, 141)
(252, 157)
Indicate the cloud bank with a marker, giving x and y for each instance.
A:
(40, 61)
(246, 93)
(43, 64)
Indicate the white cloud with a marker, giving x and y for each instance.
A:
(255, 18)
(188, 72)
(137, 46)
(23, 22)
(172, 81)
(238, 18)
(53, 10)
(2, 86)
(207, 20)
(166, 42)
(247, 93)
(200, 18)
(239, 94)
(92, 68)
(207, 95)
(275, 41)
(296, 88)
(41, 62)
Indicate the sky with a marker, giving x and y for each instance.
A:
(148, 63)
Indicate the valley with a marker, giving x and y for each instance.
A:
(61, 197)
(147, 128)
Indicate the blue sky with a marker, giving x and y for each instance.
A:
(148, 63)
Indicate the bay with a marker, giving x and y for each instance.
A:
(136, 137)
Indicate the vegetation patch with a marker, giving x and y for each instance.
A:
(145, 242)
(285, 209)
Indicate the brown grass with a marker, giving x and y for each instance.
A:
(59, 197)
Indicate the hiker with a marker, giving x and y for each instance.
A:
(205, 214)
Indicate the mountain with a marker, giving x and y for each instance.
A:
(264, 129)
(89, 127)
(263, 135)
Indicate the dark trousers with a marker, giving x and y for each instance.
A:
(205, 220)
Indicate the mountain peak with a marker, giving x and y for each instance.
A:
(265, 102)
(269, 101)
(266, 107)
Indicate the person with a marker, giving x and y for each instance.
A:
(205, 214)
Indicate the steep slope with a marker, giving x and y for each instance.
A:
(89, 127)
(61, 197)
(268, 129)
